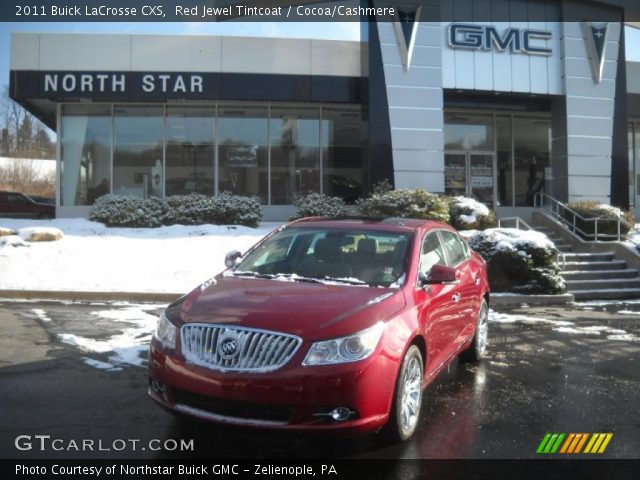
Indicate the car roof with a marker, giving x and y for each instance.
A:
(388, 223)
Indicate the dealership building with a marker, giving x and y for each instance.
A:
(496, 110)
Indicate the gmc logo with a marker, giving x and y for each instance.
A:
(482, 37)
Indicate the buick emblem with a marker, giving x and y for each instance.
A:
(228, 347)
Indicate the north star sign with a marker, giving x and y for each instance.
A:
(116, 83)
(487, 37)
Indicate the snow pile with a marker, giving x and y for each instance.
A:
(468, 214)
(512, 239)
(564, 326)
(11, 241)
(40, 234)
(611, 211)
(92, 257)
(129, 347)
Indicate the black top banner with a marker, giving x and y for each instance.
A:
(316, 11)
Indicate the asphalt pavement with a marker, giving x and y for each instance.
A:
(73, 385)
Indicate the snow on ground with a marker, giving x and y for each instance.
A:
(92, 257)
(41, 314)
(564, 326)
(127, 348)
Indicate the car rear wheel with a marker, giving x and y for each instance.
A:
(408, 397)
(478, 348)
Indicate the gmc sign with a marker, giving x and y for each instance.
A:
(483, 37)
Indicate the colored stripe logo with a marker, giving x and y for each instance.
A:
(569, 443)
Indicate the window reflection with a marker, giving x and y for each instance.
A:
(137, 157)
(295, 153)
(531, 156)
(190, 151)
(243, 151)
(463, 131)
(85, 161)
(343, 169)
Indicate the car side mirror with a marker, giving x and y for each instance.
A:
(439, 274)
(231, 258)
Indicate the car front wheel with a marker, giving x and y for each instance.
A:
(408, 396)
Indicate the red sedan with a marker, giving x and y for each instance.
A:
(324, 324)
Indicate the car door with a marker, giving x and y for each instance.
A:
(466, 290)
(436, 305)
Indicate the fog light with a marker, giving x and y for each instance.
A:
(156, 386)
(340, 414)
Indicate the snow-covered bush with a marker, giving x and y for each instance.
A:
(318, 204)
(468, 214)
(409, 203)
(6, 232)
(193, 209)
(609, 215)
(127, 211)
(518, 261)
(230, 209)
(189, 209)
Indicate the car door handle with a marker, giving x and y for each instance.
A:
(456, 297)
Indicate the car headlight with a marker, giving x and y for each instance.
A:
(345, 349)
(166, 332)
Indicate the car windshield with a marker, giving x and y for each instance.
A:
(340, 255)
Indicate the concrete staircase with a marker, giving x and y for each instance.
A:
(594, 275)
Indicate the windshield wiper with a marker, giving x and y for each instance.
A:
(246, 273)
(350, 281)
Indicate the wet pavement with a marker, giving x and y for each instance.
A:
(77, 372)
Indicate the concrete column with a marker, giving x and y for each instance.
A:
(415, 99)
(583, 119)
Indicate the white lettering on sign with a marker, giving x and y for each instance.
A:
(114, 83)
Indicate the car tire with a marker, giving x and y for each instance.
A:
(478, 348)
(407, 400)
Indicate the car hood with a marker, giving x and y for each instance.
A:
(309, 310)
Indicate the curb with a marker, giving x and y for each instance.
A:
(497, 299)
(88, 296)
(515, 299)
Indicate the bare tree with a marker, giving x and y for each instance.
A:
(27, 176)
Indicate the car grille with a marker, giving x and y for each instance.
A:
(238, 349)
(233, 408)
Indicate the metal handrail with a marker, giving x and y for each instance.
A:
(556, 206)
(560, 257)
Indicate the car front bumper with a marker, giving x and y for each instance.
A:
(291, 398)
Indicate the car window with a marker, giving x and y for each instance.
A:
(16, 199)
(454, 247)
(432, 253)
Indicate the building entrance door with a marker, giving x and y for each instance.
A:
(471, 174)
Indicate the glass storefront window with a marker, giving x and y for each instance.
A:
(463, 131)
(295, 153)
(632, 165)
(343, 169)
(190, 150)
(243, 151)
(138, 151)
(531, 138)
(85, 162)
(504, 163)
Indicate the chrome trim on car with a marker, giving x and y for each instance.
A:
(255, 351)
